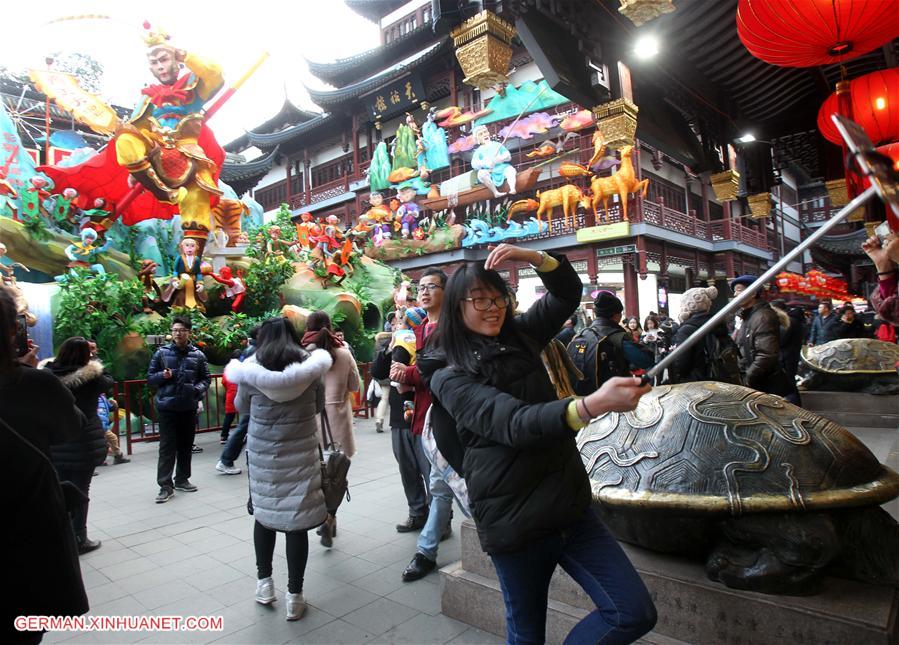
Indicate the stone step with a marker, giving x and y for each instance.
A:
(852, 420)
(851, 402)
(478, 601)
(691, 608)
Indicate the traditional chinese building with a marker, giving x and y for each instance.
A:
(691, 111)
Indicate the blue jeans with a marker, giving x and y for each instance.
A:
(439, 515)
(592, 557)
(235, 441)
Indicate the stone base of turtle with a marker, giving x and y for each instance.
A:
(772, 497)
(780, 553)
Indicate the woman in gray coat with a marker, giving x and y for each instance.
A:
(280, 387)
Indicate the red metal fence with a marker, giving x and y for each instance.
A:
(136, 420)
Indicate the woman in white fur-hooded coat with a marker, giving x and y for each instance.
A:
(282, 439)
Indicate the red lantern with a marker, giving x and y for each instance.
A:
(891, 150)
(808, 33)
(875, 107)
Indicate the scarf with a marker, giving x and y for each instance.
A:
(312, 338)
(174, 94)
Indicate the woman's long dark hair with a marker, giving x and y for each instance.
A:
(452, 336)
(74, 352)
(319, 321)
(8, 311)
(278, 345)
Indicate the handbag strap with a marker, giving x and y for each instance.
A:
(327, 438)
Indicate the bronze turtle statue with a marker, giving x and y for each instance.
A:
(852, 364)
(771, 496)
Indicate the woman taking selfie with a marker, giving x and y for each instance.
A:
(529, 491)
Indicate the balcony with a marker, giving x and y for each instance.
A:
(321, 193)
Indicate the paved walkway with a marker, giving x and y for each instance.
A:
(194, 556)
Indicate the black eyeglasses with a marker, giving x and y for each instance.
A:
(483, 303)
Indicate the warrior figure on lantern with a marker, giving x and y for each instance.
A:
(159, 144)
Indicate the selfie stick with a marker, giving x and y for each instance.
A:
(750, 290)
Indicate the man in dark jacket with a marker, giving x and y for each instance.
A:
(848, 325)
(603, 349)
(823, 327)
(791, 338)
(759, 341)
(181, 376)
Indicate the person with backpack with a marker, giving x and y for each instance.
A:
(759, 341)
(604, 349)
(716, 357)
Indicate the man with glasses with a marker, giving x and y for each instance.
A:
(434, 520)
(180, 375)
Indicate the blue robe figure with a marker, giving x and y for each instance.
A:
(491, 161)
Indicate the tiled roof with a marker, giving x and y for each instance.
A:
(346, 70)
(270, 140)
(328, 98)
(374, 10)
(243, 177)
(289, 114)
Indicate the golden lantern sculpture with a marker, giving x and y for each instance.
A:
(759, 205)
(617, 120)
(725, 185)
(484, 48)
(839, 197)
(642, 11)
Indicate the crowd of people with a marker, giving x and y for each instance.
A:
(475, 416)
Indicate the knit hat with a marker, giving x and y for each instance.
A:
(606, 305)
(743, 279)
(696, 300)
(414, 316)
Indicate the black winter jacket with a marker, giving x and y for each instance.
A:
(759, 343)
(691, 366)
(39, 407)
(190, 377)
(86, 383)
(39, 553)
(524, 474)
(791, 340)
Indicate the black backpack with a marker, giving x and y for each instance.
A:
(721, 357)
(598, 357)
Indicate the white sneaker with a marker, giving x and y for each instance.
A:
(227, 470)
(296, 605)
(265, 591)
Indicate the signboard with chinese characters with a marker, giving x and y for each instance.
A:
(603, 232)
(397, 97)
(616, 250)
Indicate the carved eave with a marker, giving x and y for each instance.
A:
(348, 70)
(329, 99)
(374, 10)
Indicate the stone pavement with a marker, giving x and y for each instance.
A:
(194, 556)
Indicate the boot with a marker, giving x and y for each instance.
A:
(86, 545)
(144, 174)
(328, 531)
